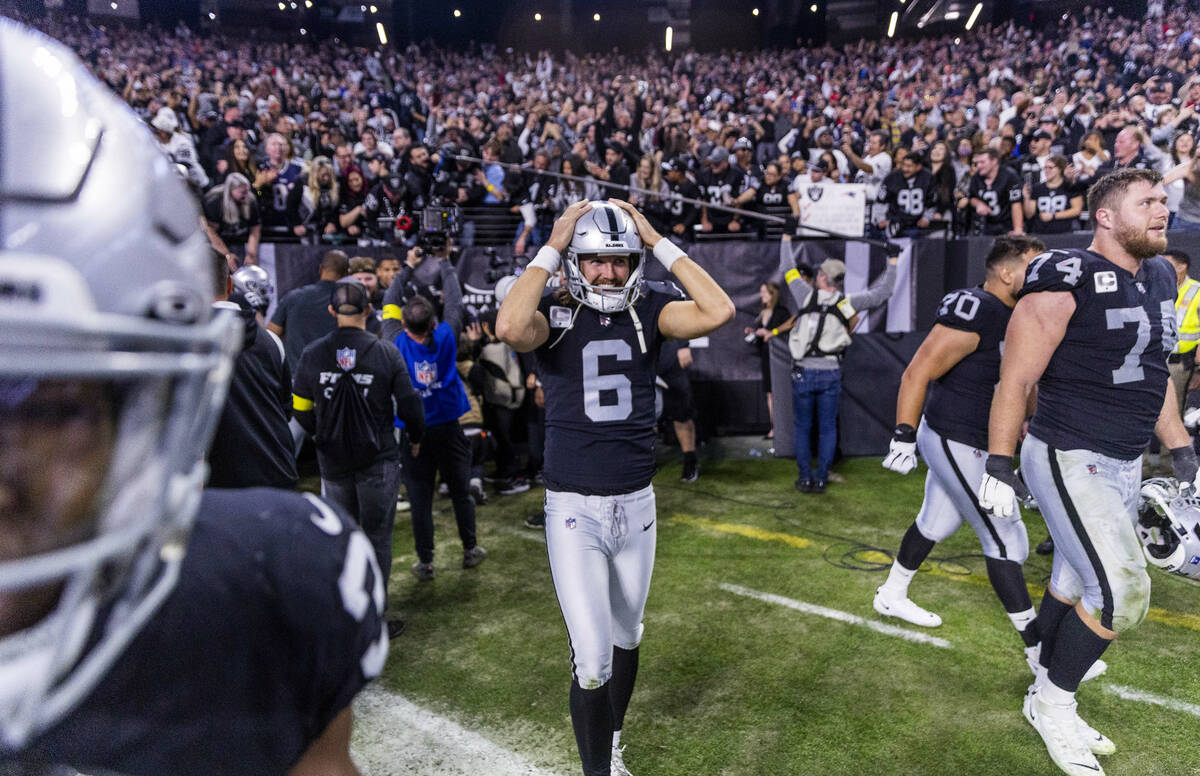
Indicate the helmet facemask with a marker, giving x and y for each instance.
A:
(604, 231)
(1168, 527)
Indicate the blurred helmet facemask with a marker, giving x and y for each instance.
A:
(106, 280)
(253, 282)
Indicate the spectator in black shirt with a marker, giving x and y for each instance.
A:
(909, 194)
(231, 219)
(252, 446)
(718, 185)
(614, 171)
(681, 216)
(312, 204)
(351, 213)
(993, 197)
(772, 195)
(1052, 207)
(1128, 151)
(366, 490)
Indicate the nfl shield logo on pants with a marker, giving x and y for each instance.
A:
(346, 358)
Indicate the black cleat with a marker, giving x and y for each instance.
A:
(396, 628)
(1046, 547)
(536, 522)
(691, 470)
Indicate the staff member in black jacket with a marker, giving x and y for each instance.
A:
(253, 444)
(367, 491)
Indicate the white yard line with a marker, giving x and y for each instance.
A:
(1131, 694)
(522, 533)
(835, 614)
(394, 736)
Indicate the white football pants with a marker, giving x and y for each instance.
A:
(955, 473)
(601, 557)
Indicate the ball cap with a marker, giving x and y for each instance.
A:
(834, 269)
(349, 297)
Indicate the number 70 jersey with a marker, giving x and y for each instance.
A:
(599, 389)
(1105, 384)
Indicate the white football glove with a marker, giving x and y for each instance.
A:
(1191, 418)
(901, 457)
(902, 450)
(1000, 489)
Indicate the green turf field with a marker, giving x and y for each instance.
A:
(733, 685)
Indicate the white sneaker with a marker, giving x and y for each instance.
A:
(1033, 660)
(890, 606)
(1060, 731)
(1096, 741)
(618, 762)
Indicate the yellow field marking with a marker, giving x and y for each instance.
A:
(1163, 616)
(749, 531)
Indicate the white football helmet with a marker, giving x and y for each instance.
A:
(1169, 526)
(253, 282)
(605, 230)
(113, 369)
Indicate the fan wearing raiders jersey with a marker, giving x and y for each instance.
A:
(960, 360)
(720, 184)
(909, 194)
(1091, 331)
(1051, 207)
(681, 216)
(993, 196)
(597, 346)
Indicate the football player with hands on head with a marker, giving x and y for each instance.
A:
(597, 342)
(149, 626)
(1090, 332)
(961, 358)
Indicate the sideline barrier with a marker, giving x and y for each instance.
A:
(726, 383)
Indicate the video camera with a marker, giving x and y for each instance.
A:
(439, 222)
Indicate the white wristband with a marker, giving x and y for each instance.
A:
(667, 253)
(548, 259)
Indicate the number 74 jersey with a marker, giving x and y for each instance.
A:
(1104, 386)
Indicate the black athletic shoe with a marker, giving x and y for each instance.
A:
(1046, 547)
(804, 486)
(691, 470)
(396, 628)
(536, 522)
(818, 486)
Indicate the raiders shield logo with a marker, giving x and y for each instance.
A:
(426, 372)
(815, 192)
(605, 321)
(346, 358)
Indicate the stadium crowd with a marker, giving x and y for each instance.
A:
(339, 142)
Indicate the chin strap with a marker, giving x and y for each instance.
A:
(637, 326)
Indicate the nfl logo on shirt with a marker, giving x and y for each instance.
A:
(346, 358)
(426, 372)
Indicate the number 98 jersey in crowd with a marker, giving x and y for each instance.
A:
(274, 625)
(1104, 388)
(598, 371)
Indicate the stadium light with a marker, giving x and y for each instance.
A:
(114, 6)
(303, 31)
(293, 6)
(813, 8)
(755, 12)
(282, 7)
(308, 3)
(974, 15)
(457, 13)
(537, 17)
(670, 37)
(374, 9)
(212, 17)
(892, 24)
(951, 15)
(382, 33)
(595, 17)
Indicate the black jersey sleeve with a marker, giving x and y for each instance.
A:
(960, 310)
(1056, 270)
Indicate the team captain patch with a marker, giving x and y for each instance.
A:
(560, 317)
(1106, 282)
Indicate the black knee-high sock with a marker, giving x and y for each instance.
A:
(591, 718)
(914, 548)
(1009, 583)
(1050, 615)
(1077, 647)
(620, 686)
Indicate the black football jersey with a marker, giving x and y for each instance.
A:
(680, 212)
(1103, 388)
(1050, 200)
(772, 195)
(599, 389)
(715, 188)
(959, 401)
(275, 624)
(1004, 193)
(908, 199)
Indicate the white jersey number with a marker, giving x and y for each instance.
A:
(594, 382)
